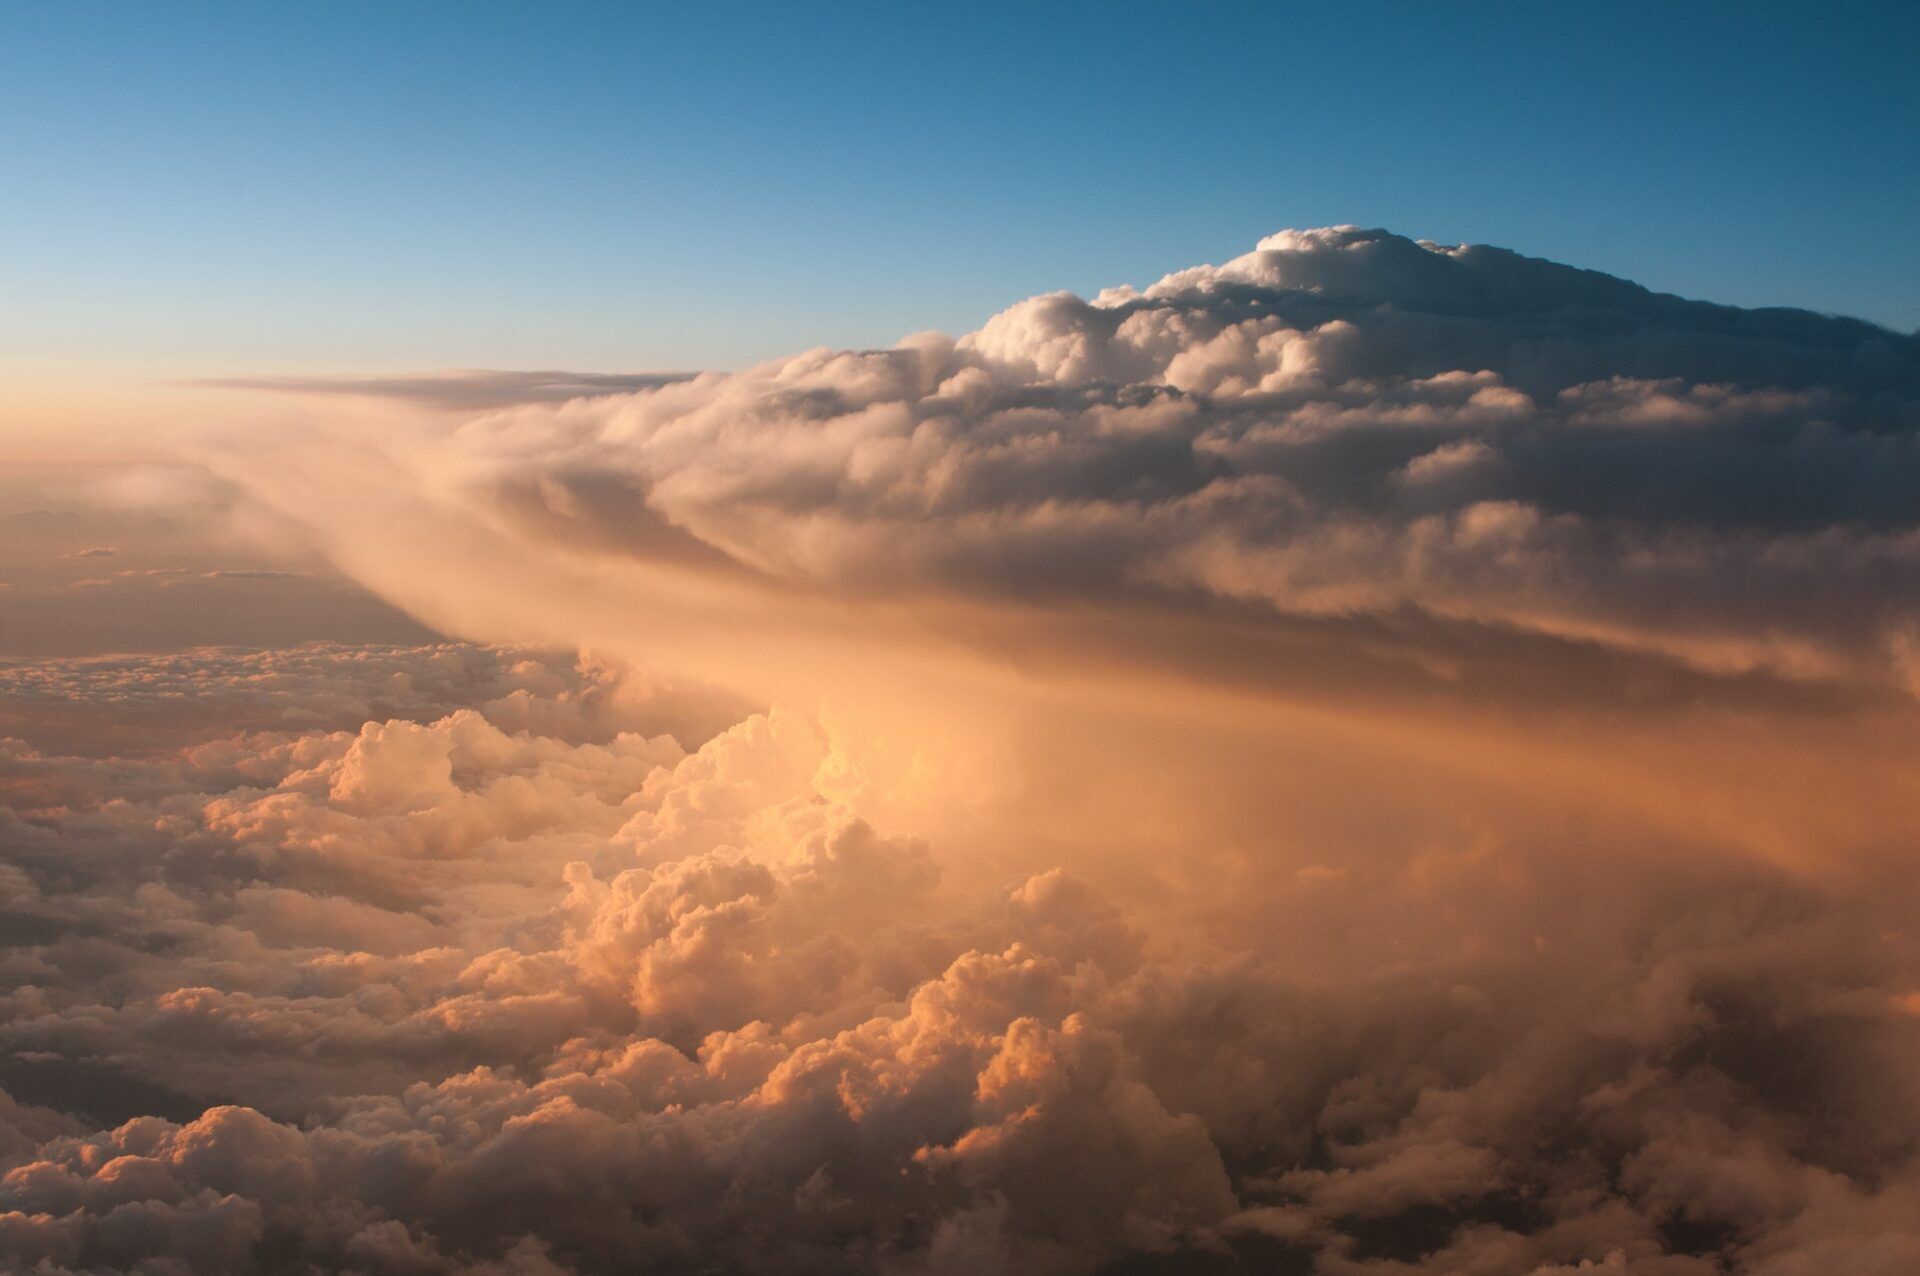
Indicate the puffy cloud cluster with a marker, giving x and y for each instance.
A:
(493, 993)
(490, 970)
(1341, 423)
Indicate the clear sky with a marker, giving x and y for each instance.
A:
(195, 190)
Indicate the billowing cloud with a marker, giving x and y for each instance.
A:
(1371, 758)
(1342, 423)
(436, 995)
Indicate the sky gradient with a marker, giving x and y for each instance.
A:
(206, 190)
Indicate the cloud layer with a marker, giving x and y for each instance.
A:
(574, 998)
(1371, 758)
(1340, 423)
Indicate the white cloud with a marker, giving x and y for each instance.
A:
(1273, 430)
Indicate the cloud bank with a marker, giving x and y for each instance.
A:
(1342, 423)
(464, 998)
(1371, 758)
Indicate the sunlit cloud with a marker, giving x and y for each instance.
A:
(1371, 757)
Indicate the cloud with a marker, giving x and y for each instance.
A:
(1370, 758)
(1341, 423)
(171, 700)
(461, 390)
(455, 997)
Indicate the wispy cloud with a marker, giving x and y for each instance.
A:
(470, 390)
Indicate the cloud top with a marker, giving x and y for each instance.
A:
(1342, 423)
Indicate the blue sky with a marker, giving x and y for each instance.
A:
(205, 190)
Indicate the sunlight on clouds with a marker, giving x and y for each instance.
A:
(1372, 757)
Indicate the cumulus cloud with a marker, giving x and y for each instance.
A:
(1370, 758)
(454, 994)
(1339, 423)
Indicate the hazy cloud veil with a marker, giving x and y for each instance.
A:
(1372, 757)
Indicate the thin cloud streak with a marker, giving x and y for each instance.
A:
(464, 390)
